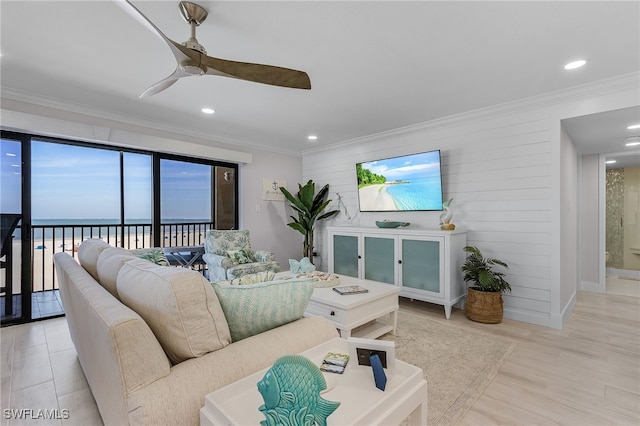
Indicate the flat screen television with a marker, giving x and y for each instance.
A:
(406, 183)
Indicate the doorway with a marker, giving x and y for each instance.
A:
(600, 139)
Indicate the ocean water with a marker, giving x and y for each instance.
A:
(419, 194)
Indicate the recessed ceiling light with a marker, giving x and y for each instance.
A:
(575, 64)
(633, 127)
(610, 161)
(312, 137)
(632, 141)
(208, 110)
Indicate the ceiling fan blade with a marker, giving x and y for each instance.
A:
(266, 74)
(180, 52)
(165, 83)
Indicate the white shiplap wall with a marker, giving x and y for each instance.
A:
(497, 171)
(502, 168)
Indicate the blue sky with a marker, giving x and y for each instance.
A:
(406, 167)
(72, 182)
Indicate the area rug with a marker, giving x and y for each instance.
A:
(458, 363)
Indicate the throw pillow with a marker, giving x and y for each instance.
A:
(179, 306)
(154, 254)
(252, 309)
(239, 256)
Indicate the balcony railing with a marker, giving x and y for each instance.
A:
(51, 239)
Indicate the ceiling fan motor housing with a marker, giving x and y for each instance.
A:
(192, 12)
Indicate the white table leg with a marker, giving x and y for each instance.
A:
(419, 416)
(394, 321)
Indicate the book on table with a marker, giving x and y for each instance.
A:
(334, 363)
(350, 289)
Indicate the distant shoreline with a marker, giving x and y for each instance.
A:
(376, 197)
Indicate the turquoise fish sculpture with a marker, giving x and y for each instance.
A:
(291, 393)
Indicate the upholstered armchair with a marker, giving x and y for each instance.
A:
(228, 255)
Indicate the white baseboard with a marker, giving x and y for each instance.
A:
(530, 317)
(558, 321)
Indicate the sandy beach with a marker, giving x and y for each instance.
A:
(375, 197)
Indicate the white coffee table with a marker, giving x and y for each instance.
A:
(361, 403)
(357, 314)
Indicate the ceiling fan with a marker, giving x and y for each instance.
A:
(192, 59)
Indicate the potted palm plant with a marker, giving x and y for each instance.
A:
(486, 285)
(310, 207)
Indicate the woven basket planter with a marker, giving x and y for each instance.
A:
(483, 306)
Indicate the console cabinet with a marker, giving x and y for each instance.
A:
(425, 264)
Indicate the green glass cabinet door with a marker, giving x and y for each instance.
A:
(345, 255)
(379, 259)
(421, 265)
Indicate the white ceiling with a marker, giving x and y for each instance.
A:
(374, 66)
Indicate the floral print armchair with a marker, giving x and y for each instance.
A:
(228, 255)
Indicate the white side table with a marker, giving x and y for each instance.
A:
(351, 311)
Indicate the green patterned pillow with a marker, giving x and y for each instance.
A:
(239, 256)
(252, 309)
(154, 255)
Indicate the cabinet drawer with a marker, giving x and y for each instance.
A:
(329, 312)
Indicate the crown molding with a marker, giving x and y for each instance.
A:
(53, 107)
(602, 87)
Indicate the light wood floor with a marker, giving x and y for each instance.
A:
(586, 374)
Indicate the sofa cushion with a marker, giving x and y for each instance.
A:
(178, 304)
(109, 263)
(153, 254)
(252, 309)
(88, 254)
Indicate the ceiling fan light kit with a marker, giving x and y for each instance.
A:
(192, 59)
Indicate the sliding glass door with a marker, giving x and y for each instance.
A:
(63, 192)
(14, 292)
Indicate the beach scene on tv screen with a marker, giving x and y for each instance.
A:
(410, 182)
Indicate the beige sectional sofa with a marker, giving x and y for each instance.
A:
(157, 371)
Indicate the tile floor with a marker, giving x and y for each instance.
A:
(40, 370)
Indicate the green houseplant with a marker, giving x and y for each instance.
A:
(486, 285)
(310, 207)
